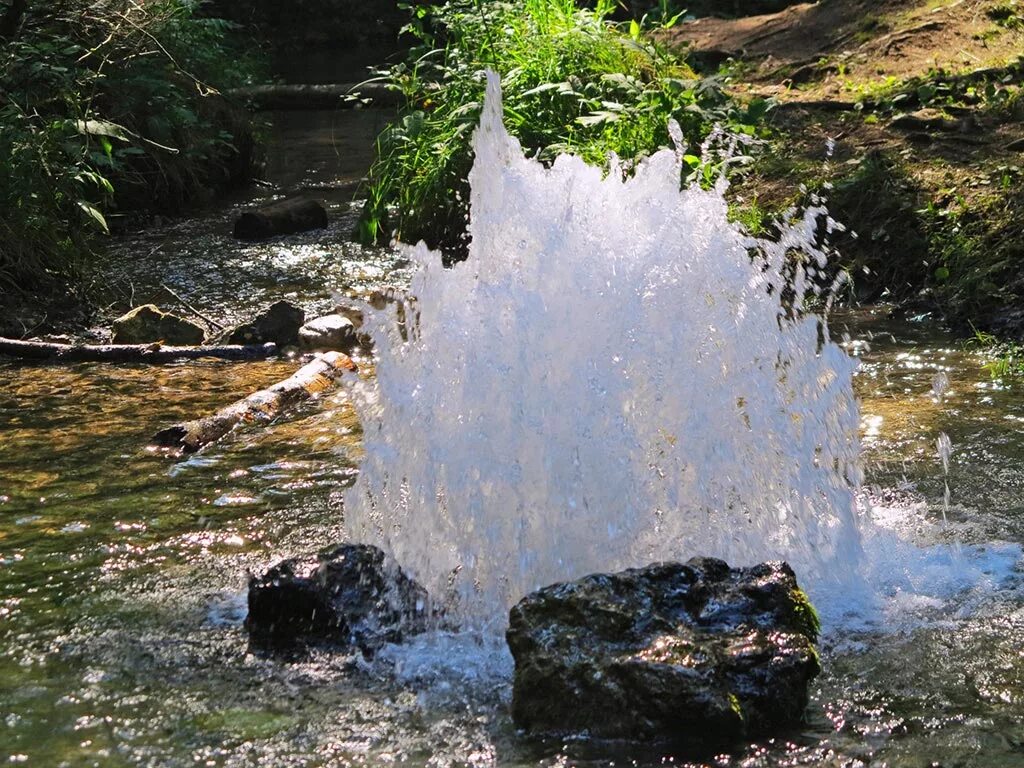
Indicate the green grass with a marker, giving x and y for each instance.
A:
(979, 248)
(1009, 15)
(573, 82)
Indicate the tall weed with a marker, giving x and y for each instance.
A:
(573, 81)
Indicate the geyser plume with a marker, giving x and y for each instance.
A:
(609, 379)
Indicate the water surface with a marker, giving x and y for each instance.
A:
(122, 570)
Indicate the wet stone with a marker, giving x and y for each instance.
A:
(350, 596)
(698, 654)
(278, 324)
(285, 217)
(330, 332)
(148, 324)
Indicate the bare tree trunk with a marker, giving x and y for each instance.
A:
(129, 353)
(258, 408)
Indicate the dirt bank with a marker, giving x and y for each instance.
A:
(921, 104)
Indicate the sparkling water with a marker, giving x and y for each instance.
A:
(617, 374)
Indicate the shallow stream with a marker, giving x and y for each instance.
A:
(122, 571)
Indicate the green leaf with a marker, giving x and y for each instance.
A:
(95, 215)
(597, 118)
(543, 87)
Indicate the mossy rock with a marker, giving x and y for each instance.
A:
(699, 655)
(148, 324)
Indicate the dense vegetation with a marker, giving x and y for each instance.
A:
(573, 81)
(104, 108)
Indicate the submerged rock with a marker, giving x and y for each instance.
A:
(285, 217)
(349, 596)
(330, 332)
(699, 654)
(278, 324)
(148, 324)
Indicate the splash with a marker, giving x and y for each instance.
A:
(617, 374)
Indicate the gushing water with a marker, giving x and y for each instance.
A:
(617, 374)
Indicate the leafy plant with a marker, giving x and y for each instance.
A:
(1008, 15)
(573, 81)
(105, 106)
(1001, 358)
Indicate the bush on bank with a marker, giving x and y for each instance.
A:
(107, 106)
(573, 81)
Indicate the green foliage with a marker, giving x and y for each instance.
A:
(752, 217)
(1008, 15)
(107, 105)
(1001, 358)
(573, 82)
(980, 247)
(993, 90)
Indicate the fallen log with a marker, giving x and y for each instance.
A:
(314, 97)
(129, 353)
(262, 406)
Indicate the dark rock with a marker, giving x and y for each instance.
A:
(278, 324)
(924, 120)
(349, 596)
(330, 332)
(282, 218)
(700, 654)
(353, 312)
(148, 324)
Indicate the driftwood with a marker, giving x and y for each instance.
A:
(262, 406)
(330, 96)
(129, 353)
(285, 217)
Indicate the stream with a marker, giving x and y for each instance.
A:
(123, 571)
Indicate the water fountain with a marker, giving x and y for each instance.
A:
(617, 374)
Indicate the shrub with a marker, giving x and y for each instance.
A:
(573, 82)
(103, 105)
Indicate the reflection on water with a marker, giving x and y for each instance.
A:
(317, 154)
(903, 418)
(122, 574)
